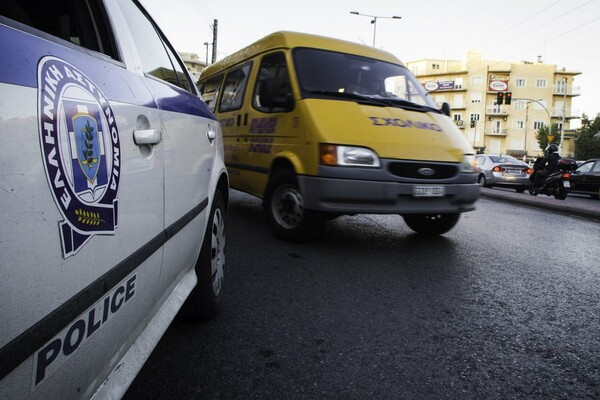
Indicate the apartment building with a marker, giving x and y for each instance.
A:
(193, 64)
(541, 94)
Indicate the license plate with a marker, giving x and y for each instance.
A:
(567, 184)
(429, 191)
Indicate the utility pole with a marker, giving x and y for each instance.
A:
(214, 44)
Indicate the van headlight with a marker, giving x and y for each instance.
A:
(334, 155)
(468, 165)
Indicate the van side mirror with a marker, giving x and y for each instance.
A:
(446, 109)
(275, 93)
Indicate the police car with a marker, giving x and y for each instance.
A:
(113, 194)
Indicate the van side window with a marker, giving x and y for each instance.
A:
(273, 90)
(155, 55)
(234, 89)
(82, 23)
(210, 90)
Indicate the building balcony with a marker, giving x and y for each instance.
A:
(496, 111)
(559, 90)
(496, 132)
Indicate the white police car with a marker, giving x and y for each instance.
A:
(113, 194)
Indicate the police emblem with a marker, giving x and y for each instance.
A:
(81, 151)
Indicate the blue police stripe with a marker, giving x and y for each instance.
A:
(22, 52)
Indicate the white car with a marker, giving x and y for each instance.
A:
(113, 194)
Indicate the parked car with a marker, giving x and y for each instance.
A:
(112, 197)
(502, 170)
(586, 178)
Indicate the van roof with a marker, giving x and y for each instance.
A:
(286, 39)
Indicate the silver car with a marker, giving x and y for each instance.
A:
(502, 170)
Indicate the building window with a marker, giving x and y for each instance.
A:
(541, 83)
(519, 105)
(520, 124)
(435, 66)
(538, 124)
(476, 98)
(520, 82)
(477, 80)
(561, 86)
(458, 83)
(457, 117)
(474, 117)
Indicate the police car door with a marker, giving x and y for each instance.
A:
(82, 201)
(189, 130)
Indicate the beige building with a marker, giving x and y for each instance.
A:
(541, 94)
(193, 64)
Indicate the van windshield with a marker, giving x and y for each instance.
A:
(343, 76)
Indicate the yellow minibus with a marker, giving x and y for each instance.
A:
(318, 127)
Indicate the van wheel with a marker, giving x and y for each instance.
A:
(431, 224)
(205, 299)
(285, 212)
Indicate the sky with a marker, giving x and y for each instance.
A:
(561, 32)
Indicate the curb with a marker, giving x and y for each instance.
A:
(541, 203)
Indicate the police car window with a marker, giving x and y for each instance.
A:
(234, 89)
(81, 22)
(210, 90)
(153, 51)
(273, 71)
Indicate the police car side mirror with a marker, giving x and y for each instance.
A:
(446, 109)
(275, 93)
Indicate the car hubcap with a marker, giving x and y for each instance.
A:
(287, 207)
(217, 251)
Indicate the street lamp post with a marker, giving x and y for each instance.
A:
(374, 21)
(526, 114)
(206, 44)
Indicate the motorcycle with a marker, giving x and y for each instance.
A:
(556, 184)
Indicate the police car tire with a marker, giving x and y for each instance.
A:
(203, 302)
(431, 224)
(311, 222)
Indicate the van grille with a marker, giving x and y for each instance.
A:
(411, 170)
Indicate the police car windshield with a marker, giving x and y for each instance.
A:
(322, 73)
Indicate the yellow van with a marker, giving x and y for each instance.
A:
(319, 127)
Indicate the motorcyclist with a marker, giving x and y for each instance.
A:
(550, 165)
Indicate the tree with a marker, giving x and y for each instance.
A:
(587, 144)
(542, 136)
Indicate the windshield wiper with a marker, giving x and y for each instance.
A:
(351, 96)
(377, 101)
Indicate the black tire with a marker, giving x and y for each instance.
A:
(431, 224)
(531, 190)
(285, 212)
(561, 193)
(483, 182)
(205, 299)
(520, 189)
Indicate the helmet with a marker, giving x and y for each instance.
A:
(552, 148)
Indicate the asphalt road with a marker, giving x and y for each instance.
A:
(373, 311)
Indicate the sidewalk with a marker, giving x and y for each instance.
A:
(584, 207)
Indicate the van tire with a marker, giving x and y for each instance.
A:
(205, 299)
(285, 212)
(431, 224)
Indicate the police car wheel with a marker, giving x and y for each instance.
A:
(431, 224)
(285, 212)
(205, 299)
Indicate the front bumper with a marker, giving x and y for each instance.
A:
(383, 197)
